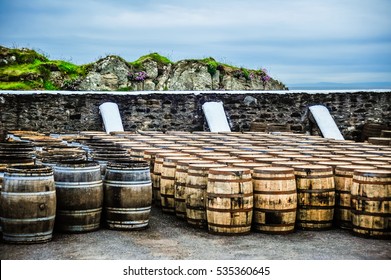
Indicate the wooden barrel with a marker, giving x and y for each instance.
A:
(372, 130)
(229, 200)
(149, 157)
(380, 140)
(79, 191)
(167, 182)
(127, 194)
(343, 178)
(195, 193)
(385, 133)
(28, 201)
(275, 199)
(182, 167)
(315, 196)
(371, 203)
(157, 172)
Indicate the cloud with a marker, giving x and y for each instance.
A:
(332, 36)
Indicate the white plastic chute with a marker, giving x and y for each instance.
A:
(215, 117)
(325, 122)
(111, 117)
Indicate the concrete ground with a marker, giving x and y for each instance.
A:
(172, 239)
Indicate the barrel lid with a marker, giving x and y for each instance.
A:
(273, 170)
(312, 167)
(29, 169)
(178, 158)
(202, 166)
(289, 163)
(250, 165)
(368, 162)
(76, 163)
(352, 167)
(127, 164)
(270, 159)
(376, 173)
(229, 171)
(384, 166)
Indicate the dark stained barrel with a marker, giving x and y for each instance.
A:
(79, 191)
(127, 194)
(28, 200)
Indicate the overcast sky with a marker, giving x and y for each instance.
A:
(298, 41)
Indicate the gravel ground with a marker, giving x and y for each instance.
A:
(168, 238)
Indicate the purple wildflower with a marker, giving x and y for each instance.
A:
(138, 76)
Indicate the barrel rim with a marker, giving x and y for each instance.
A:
(29, 169)
(375, 173)
(315, 167)
(77, 163)
(127, 163)
(273, 170)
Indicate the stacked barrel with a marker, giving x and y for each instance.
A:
(232, 183)
(296, 181)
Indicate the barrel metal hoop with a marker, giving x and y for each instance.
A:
(228, 226)
(200, 208)
(315, 191)
(371, 182)
(273, 178)
(274, 225)
(358, 197)
(275, 210)
(314, 176)
(93, 184)
(310, 207)
(229, 210)
(32, 220)
(230, 180)
(371, 214)
(275, 192)
(5, 193)
(225, 195)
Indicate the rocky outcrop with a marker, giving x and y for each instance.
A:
(112, 73)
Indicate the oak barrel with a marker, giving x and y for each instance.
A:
(28, 200)
(195, 193)
(229, 200)
(371, 203)
(275, 199)
(181, 170)
(315, 196)
(127, 194)
(343, 178)
(79, 191)
(167, 182)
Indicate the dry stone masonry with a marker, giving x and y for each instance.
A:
(64, 112)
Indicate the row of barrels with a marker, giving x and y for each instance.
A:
(217, 180)
(273, 197)
(321, 190)
(49, 184)
(72, 197)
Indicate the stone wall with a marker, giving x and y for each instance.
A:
(76, 111)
